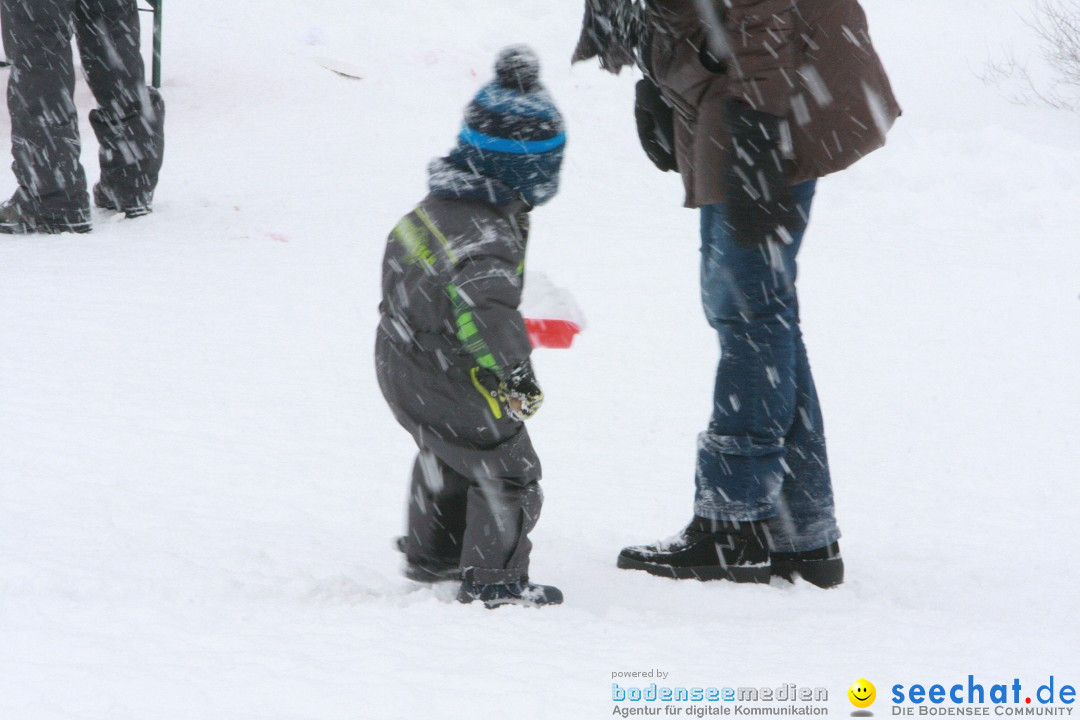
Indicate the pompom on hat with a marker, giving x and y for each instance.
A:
(512, 131)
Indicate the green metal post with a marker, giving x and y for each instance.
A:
(156, 81)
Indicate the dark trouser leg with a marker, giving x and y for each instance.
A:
(748, 291)
(44, 121)
(455, 423)
(763, 456)
(437, 502)
(501, 514)
(129, 122)
(480, 524)
(807, 515)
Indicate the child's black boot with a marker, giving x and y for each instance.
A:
(522, 592)
(427, 571)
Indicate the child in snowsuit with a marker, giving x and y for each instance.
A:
(452, 353)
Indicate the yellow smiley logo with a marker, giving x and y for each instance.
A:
(862, 693)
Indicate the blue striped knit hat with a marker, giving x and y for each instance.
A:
(513, 132)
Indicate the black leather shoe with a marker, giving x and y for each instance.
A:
(706, 550)
(15, 219)
(822, 567)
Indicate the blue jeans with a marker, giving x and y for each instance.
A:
(763, 455)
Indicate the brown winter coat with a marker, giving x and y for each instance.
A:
(808, 61)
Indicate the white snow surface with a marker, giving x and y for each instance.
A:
(200, 481)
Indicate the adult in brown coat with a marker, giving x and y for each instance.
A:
(751, 101)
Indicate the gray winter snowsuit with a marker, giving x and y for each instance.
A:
(128, 123)
(449, 332)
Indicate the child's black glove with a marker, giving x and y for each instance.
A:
(520, 393)
(655, 125)
(760, 203)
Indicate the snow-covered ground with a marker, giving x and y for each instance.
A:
(199, 480)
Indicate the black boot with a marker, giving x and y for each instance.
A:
(426, 571)
(135, 206)
(706, 550)
(822, 567)
(17, 219)
(523, 592)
